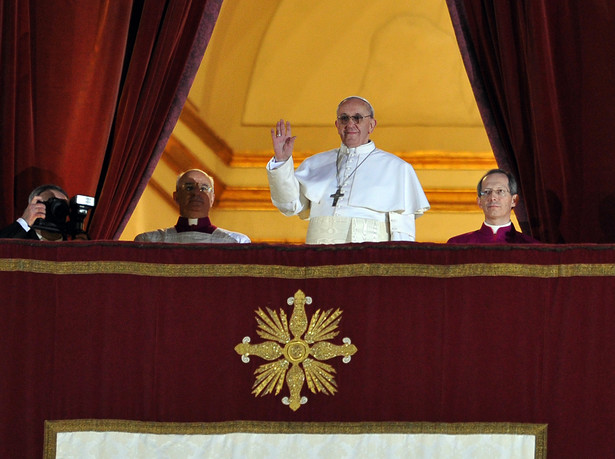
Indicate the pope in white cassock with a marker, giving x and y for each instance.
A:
(355, 193)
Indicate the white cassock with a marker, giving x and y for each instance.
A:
(381, 195)
(219, 236)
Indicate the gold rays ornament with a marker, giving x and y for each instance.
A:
(296, 351)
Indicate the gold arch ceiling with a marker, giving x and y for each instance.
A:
(296, 60)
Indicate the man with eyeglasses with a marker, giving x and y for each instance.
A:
(194, 194)
(354, 193)
(497, 195)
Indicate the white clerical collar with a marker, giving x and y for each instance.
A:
(365, 148)
(495, 228)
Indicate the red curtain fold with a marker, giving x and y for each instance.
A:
(542, 74)
(61, 65)
(169, 46)
(90, 94)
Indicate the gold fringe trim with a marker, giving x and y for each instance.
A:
(52, 428)
(307, 272)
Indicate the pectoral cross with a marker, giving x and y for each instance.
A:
(338, 194)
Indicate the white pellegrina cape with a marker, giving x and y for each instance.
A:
(376, 185)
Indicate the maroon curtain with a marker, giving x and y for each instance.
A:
(170, 42)
(90, 92)
(542, 72)
(61, 67)
(121, 330)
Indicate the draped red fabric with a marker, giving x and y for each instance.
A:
(90, 94)
(542, 72)
(119, 330)
(168, 48)
(61, 68)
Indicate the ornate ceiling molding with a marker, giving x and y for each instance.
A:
(190, 117)
(258, 198)
(435, 160)
(179, 158)
(453, 160)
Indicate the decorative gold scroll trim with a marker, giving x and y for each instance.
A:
(259, 198)
(228, 196)
(307, 272)
(420, 159)
(52, 428)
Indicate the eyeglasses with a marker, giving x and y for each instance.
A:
(345, 119)
(499, 192)
(191, 186)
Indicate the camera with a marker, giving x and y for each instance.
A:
(64, 217)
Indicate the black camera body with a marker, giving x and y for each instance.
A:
(65, 218)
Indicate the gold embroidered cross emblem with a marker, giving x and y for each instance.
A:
(296, 359)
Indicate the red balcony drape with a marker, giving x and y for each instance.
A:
(90, 92)
(541, 72)
(444, 334)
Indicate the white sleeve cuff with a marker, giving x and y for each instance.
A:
(402, 227)
(24, 224)
(273, 164)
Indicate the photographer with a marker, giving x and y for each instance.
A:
(22, 228)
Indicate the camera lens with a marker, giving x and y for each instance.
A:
(56, 210)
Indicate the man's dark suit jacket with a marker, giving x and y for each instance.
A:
(16, 231)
